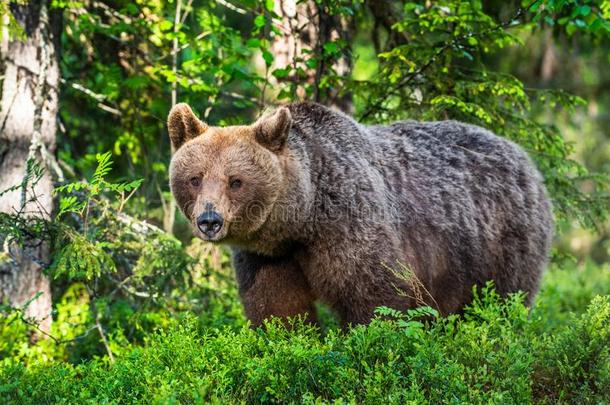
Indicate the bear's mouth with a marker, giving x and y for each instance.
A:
(214, 238)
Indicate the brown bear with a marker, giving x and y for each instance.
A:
(317, 206)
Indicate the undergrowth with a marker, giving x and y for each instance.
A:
(498, 351)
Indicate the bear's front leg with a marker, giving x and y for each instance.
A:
(272, 287)
(354, 279)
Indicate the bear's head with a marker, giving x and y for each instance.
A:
(227, 179)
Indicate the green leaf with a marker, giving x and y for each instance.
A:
(166, 25)
(330, 48)
(311, 63)
(467, 55)
(280, 73)
(104, 165)
(260, 21)
(580, 23)
(253, 43)
(268, 57)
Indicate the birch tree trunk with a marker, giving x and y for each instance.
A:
(28, 109)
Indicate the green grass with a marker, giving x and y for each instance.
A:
(497, 352)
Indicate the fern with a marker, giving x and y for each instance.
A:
(70, 204)
(82, 259)
(104, 166)
(82, 255)
(93, 188)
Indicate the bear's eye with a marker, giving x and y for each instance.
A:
(235, 184)
(195, 181)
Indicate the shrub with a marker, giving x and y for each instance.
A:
(492, 353)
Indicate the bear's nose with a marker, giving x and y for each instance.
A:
(209, 223)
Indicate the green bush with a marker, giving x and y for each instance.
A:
(493, 353)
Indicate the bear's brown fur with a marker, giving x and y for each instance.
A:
(319, 207)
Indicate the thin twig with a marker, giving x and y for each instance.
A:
(98, 325)
(231, 6)
(35, 325)
(112, 12)
(124, 199)
(175, 52)
(187, 10)
(96, 96)
(169, 215)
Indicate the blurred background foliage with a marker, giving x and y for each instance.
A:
(536, 72)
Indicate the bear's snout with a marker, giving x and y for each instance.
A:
(209, 223)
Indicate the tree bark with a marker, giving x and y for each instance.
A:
(549, 60)
(28, 110)
(386, 13)
(306, 26)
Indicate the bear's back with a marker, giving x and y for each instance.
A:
(475, 194)
(442, 143)
(462, 176)
(453, 144)
(456, 191)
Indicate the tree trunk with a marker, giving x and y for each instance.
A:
(549, 62)
(307, 26)
(28, 110)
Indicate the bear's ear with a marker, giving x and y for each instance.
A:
(183, 125)
(271, 130)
